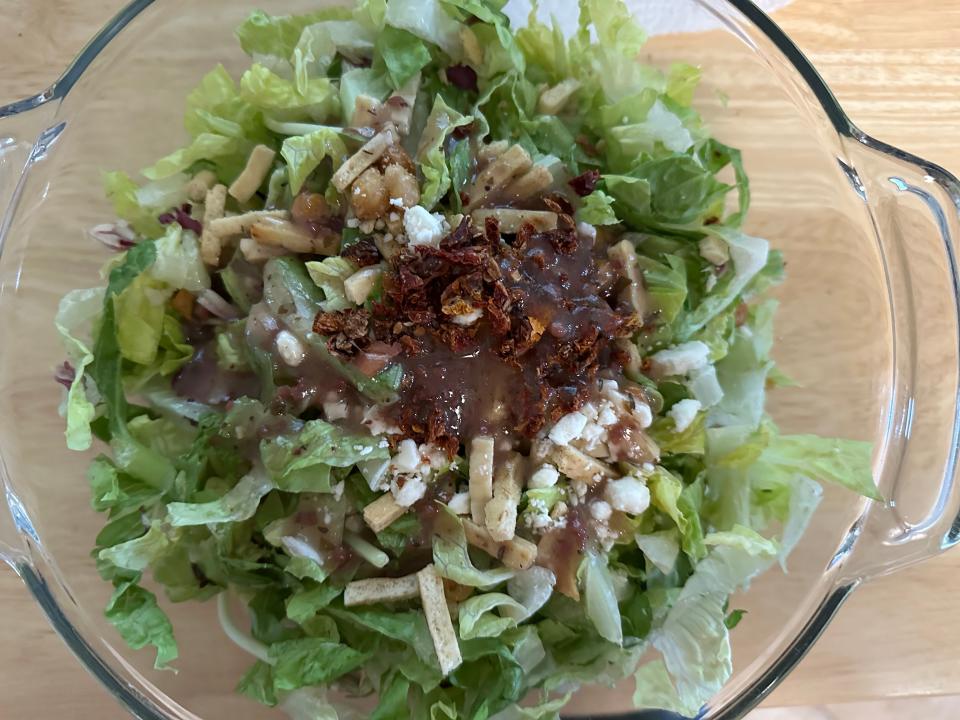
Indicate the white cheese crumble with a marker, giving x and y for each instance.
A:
(407, 490)
(568, 428)
(628, 495)
(396, 202)
(684, 413)
(460, 503)
(377, 422)
(290, 349)
(587, 231)
(681, 359)
(545, 476)
(423, 227)
(600, 510)
(643, 415)
(334, 409)
(407, 459)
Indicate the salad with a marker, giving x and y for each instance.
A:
(438, 359)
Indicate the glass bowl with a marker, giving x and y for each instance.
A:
(868, 326)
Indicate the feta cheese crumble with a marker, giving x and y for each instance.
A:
(545, 476)
(423, 227)
(684, 413)
(681, 359)
(628, 495)
(290, 349)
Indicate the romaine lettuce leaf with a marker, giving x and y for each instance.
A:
(140, 553)
(329, 274)
(205, 146)
(452, 558)
(122, 191)
(403, 54)
(280, 98)
(301, 462)
(238, 504)
(427, 20)
(178, 262)
(600, 598)
(477, 618)
(311, 661)
(597, 209)
(442, 121)
(77, 310)
(304, 153)
(278, 35)
(133, 611)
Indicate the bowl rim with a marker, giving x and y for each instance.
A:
(135, 701)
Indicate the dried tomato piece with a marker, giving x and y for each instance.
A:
(328, 323)
(585, 183)
(356, 323)
(362, 253)
(559, 204)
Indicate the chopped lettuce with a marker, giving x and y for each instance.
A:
(302, 462)
(329, 275)
(305, 153)
(452, 558)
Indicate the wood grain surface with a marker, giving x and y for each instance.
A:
(896, 68)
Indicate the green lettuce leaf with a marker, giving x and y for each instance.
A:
(304, 153)
(427, 20)
(442, 121)
(311, 661)
(215, 107)
(600, 598)
(123, 193)
(302, 462)
(477, 618)
(133, 611)
(691, 440)
(76, 311)
(278, 35)
(178, 262)
(655, 689)
(305, 604)
(357, 82)
(694, 638)
(140, 553)
(393, 699)
(843, 462)
(679, 503)
(488, 13)
(319, 101)
(206, 146)
(107, 366)
(403, 54)
(661, 548)
(238, 504)
(329, 274)
(452, 558)
(597, 209)
(257, 684)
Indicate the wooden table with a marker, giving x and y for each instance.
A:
(896, 67)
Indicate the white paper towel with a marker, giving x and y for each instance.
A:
(656, 16)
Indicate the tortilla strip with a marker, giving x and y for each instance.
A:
(382, 513)
(378, 590)
(438, 620)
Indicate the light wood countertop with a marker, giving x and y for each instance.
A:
(896, 68)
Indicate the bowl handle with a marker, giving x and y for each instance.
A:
(915, 208)
(27, 130)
